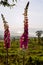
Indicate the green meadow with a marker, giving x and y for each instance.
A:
(16, 56)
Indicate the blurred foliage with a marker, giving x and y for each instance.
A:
(32, 56)
(39, 33)
(6, 3)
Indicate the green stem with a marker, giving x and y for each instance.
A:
(7, 56)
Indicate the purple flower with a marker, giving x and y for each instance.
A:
(24, 37)
(7, 38)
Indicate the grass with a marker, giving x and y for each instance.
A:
(33, 55)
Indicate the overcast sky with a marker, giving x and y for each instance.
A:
(15, 18)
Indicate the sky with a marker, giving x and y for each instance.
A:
(15, 18)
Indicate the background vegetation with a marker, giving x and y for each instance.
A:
(32, 56)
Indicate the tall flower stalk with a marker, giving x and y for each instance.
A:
(24, 37)
(6, 36)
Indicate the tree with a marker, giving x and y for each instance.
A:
(6, 3)
(39, 33)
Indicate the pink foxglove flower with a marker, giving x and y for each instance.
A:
(7, 38)
(6, 33)
(24, 37)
